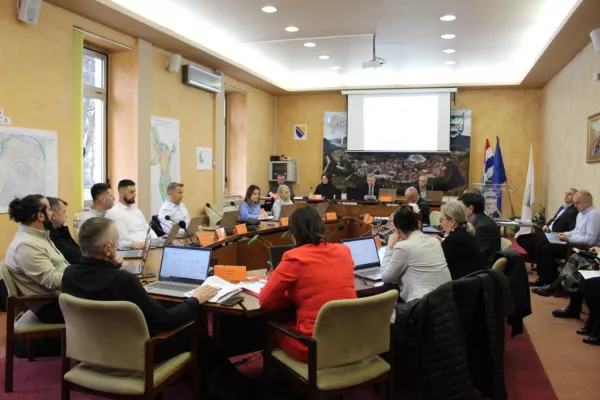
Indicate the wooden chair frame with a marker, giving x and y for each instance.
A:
(12, 302)
(311, 384)
(151, 389)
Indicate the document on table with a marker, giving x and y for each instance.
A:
(253, 288)
(226, 289)
(589, 274)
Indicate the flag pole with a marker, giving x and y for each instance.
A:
(512, 209)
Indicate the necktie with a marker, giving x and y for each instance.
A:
(370, 190)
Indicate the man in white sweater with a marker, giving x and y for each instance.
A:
(34, 263)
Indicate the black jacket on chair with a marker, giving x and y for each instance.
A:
(487, 237)
(462, 254)
(460, 337)
(566, 222)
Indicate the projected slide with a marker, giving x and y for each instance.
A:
(402, 123)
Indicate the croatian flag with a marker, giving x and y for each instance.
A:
(488, 163)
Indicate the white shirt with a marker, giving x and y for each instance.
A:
(419, 263)
(177, 212)
(91, 213)
(131, 224)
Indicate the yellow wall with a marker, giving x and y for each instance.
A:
(513, 115)
(36, 90)
(195, 111)
(237, 149)
(305, 109)
(567, 102)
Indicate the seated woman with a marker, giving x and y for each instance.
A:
(283, 198)
(325, 188)
(307, 278)
(460, 249)
(415, 259)
(250, 208)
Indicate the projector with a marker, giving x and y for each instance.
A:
(373, 64)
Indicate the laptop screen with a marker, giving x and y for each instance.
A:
(364, 252)
(184, 264)
(276, 253)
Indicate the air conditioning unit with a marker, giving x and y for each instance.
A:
(29, 10)
(201, 79)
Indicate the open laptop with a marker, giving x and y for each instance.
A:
(192, 228)
(276, 254)
(228, 221)
(365, 257)
(392, 193)
(288, 209)
(133, 253)
(435, 195)
(138, 268)
(172, 235)
(355, 194)
(181, 269)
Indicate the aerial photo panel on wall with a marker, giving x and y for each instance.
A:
(448, 172)
(593, 139)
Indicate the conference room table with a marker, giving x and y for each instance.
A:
(242, 328)
(355, 207)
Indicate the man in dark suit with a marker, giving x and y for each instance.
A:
(371, 188)
(411, 195)
(487, 234)
(563, 221)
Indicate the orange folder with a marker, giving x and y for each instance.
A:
(231, 273)
(284, 221)
(331, 216)
(241, 228)
(316, 197)
(385, 199)
(205, 239)
(378, 241)
(368, 219)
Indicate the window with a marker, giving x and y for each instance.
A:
(95, 66)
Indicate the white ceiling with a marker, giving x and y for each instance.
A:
(497, 41)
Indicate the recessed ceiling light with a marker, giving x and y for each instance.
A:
(309, 44)
(292, 29)
(449, 51)
(450, 62)
(448, 18)
(324, 57)
(269, 9)
(448, 36)
(336, 67)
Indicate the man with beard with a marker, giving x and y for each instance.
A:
(34, 262)
(131, 223)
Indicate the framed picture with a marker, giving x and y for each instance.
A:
(593, 139)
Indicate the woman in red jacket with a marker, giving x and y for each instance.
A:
(310, 275)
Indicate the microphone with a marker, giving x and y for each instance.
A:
(232, 204)
(340, 215)
(207, 205)
(183, 226)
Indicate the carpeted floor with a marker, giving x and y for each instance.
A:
(525, 377)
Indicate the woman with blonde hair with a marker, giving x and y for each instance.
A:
(460, 249)
(283, 198)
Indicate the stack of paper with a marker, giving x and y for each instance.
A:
(226, 289)
(253, 288)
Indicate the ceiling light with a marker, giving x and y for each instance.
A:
(448, 36)
(324, 57)
(449, 51)
(450, 62)
(269, 9)
(336, 67)
(292, 29)
(309, 44)
(448, 18)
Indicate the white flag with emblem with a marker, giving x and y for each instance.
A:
(528, 196)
